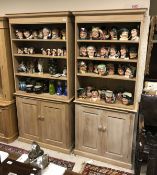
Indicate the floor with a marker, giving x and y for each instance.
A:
(79, 161)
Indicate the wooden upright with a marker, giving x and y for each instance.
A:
(8, 120)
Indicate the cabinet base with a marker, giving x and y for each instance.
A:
(9, 139)
(103, 159)
(47, 146)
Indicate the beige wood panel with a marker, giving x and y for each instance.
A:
(2, 129)
(116, 135)
(53, 118)
(28, 118)
(87, 129)
(1, 92)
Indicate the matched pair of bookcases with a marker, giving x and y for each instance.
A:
(101, 131)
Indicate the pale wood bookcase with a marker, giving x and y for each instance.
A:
(47, 119)
(106, 131)
(8, 119)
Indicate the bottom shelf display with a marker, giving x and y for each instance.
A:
(92, 95)
(39, 86)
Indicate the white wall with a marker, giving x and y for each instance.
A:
(22, 6)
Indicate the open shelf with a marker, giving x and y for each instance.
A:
(41, 75)
(93, 75)
(39, 56)
(38, 40)
(108, 59)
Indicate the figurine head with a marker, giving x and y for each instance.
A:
(113, 50)
(110, 69)
(19, 34)
(101, 69)
(134, 34)
(124, 34)
(121, 70)
(55, 33)
(83, 33)
(113, 34)
(46, 33)
(95, 33)
(109, 96)
(82, 67)
(90, 67)
(91, 51)
(133, 53)
(27, 34)
(83, 51)
(127, 98)
(103, 52)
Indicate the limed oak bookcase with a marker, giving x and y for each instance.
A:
(8, 119)
(44, 117)
(105, 131)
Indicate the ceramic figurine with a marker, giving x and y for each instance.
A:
(104, 35)
(64, 52)
(38, 89)
(109, 97)
(51, 87)
(40, 34)
(29, 88)
(121, 70)
(113, 34)
(63, 34)
(90, 67)
(94, 95)
(96, 33)
(64, 71)
(34, 34)
(27, 34)
(40, 65)
(113, 54)
(102, 94)
(54, 52)
(59, 52)
(31, 50)
(89, 91)
(81, 92)
(22, 67)
(20, 50)
(19, 34)
(44, 52)
(55, 33)
(83, 51)
(124, 34)
(65, 89)
(26, 50)
(52, 67)
(59, 88)
(35, 151)
(22, 85)
(103, 52)
(46, 33)
(110, 69)
(129, 72)
(134, 35)
(91, 51)
(124, 52)
(95, 69)
(48, 52)
(127, 98)
(133, 53)
(102, 69)
(32, 67)
(82, 67)
(83, 33)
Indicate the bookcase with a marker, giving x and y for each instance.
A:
(106, 99)
(42, 52)
(8, 119)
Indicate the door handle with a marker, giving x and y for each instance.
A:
(103, 129)
(99, 128)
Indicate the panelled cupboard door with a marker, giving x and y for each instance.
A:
(2, 126)
(53, 123)
(28, 118)
(116, 135)
(87, 129)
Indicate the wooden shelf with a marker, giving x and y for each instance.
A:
(39, 40)
(101, 103)
(41, 75)
(108, 59)
(118, 77)
(108, 41)
(45, 96)
(40, 56)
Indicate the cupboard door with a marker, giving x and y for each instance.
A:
(2, 123)
(1, 90)
(28, 118)
(88, 129)
(117, 135)
(53, 123)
